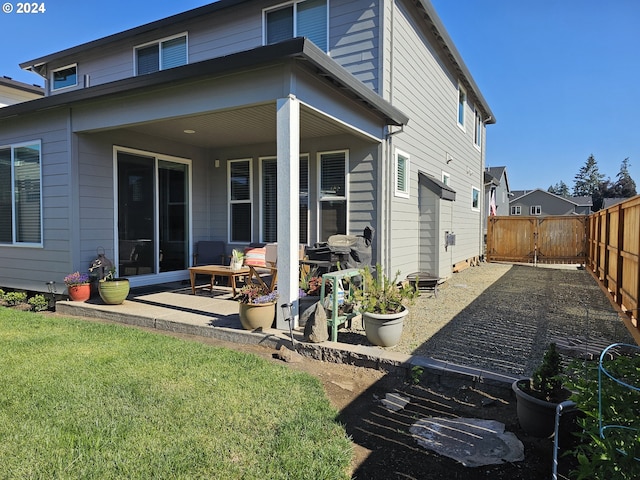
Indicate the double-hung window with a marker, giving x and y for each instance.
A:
(536, 210)
(516, 210)
(333, 193)
(64, 77)
(240, 201)
(160, 55)
(402, 174)
(297, 19)
(269, 202)
(21, 194)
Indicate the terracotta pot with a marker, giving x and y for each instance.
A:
(384, 329)
(79, 293)
(257, 315)
(113, 292)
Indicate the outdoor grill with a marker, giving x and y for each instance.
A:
(349, 251)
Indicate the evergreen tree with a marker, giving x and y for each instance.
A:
(624, 186)
(561, 189)
(605, 189)
(587, 180)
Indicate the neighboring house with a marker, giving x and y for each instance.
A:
(611, 201)
(496, 182)
(12, 92)
(216, 124)
(539, 202)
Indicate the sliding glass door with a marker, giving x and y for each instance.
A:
(153, 214)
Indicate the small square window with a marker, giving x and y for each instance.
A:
(475, 198)
(536, 210)
(516, 210)
(64, 77)
(446, 178)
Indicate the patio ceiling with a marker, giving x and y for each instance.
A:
(241, 126)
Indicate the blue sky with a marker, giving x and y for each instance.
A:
(559, 75)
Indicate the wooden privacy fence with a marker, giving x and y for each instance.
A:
(552, 239)
(614, 253)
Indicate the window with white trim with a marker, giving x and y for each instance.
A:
(462, 100)
(536, 210)
(332, 199)
(475, 198)
(64, 77)
(269, 194)
(240, 201)
(21, 194)
(402, 174)
(446, 178)
(516, 210)
(477, 133)
(160, 55)
(297, 19)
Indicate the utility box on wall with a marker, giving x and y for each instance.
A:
(449, 239)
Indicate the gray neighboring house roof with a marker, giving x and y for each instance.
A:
(493, 175)
(25, 87)
(610, 202)
(577, 201)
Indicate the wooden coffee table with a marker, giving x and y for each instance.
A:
(220, 271)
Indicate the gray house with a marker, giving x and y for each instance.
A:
(12, 91)
(496, 187)
(246, 121)
(540, 202)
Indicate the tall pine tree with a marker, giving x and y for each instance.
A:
(587, 181)
(624, 186)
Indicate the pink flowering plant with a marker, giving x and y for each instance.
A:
(255, 294)
(76, 278)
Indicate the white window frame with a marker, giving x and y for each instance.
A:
(327, 198)
(53, 83)
(398, 192)
(295, 4)
(159, 42)
(477, 131)
(446, 178)
(231, 202)
(516, 210)
(473, 192)
(535, 210)
(14, 226)
(461, 107)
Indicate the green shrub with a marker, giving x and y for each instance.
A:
(39, 303)
(14, 298)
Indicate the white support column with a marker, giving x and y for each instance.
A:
(288, 165)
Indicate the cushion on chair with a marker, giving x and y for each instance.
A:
(255, 256)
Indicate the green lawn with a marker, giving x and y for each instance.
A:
(89, 400)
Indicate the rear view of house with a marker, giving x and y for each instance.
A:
(246, 121)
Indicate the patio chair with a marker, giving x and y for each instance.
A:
(210, 252)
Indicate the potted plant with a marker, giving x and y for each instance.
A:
(309, 290)
(257, 306)
(237, 258)
(382, 303)
(78, 286)
(113, 290)
(537, 397)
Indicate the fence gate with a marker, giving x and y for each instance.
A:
(551, 239)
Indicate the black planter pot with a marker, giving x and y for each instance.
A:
(537, 417)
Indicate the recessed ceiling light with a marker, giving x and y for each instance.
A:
(189, 131)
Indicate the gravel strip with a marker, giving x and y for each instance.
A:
(501, 317)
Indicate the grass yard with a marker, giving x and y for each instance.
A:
(90, 400)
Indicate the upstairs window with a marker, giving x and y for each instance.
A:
(536, 210)
(477, 133)
(156, 56)
(462, 100)
(21, 194)
(402, 174)
(516, 210)
(297, 19)
(64, 77)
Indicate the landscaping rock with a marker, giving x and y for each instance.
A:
(316, 328)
